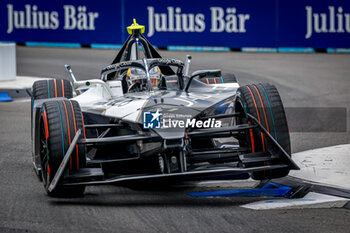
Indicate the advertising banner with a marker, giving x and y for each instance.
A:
(314, 23)
(70, 21)
(212, 23)
(234, 24)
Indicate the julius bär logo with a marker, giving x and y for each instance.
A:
(152, 120)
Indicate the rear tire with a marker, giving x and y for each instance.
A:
(264, 103)
(229, 78)
(225, 78)
(46, 89)
(60, 120)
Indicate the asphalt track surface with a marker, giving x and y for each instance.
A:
(304, 80)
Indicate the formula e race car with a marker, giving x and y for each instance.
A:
(147, 120)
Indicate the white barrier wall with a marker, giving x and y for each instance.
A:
(7, 61)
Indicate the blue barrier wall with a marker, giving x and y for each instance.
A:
(234, 24)
(314, 23)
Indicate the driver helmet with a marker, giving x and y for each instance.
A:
(137, 79)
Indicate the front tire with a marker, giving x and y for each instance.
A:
(264, 103)
(47, 89)
(60, 120)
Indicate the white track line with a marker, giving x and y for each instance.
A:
(21, 82)
(311, 200)
(21, 100)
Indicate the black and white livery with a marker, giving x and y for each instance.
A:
(146, 119)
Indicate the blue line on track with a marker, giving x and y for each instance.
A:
(295, 50)
(198, 48)
(106, 46)
(51, 44)
(258, 50)
(338, 50)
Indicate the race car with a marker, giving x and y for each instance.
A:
(147, 120)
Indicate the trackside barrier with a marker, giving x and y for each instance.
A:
(7, 61)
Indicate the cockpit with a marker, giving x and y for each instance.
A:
(136, 79)
(146, 74)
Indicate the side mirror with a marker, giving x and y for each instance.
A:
(69, 70)
(203, 74)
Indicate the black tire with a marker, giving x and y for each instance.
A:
(264, 103)
(45, 89)
(60, 120)
(229, 78)
(54, 88)
(225, 78)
